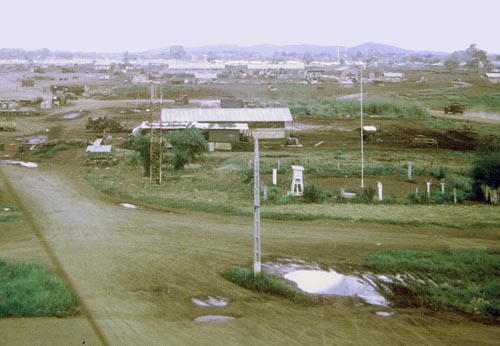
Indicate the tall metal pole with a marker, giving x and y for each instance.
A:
(256, 211)
(362, 149)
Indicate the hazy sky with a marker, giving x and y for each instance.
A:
(116, 26)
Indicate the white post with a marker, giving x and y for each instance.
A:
(256, 213)
(410, 170)
(275, 176)
(362, 149)
(442, 186)
(379, 185)
(429, 188)
(454, 195)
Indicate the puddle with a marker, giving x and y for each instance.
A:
(213, 318)
(214, 302)
(21, 163)
(71, 115)
(128, 206)
(311, 279)
(384, 314)
(38, 139)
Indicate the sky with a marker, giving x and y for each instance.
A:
(112, 26)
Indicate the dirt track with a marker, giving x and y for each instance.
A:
(136, 283)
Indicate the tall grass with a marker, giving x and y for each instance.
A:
(50, 151)
(28, 289)
(266, 284)
(464, 280)
(383, 106)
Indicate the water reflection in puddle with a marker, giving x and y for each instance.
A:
(311, 279)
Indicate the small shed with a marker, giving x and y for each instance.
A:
(394, 77)
(493, 78)
(226, 133)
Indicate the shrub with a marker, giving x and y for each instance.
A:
(486, 171)
(367, 195)
(247, 175)
(388, 199)
(312, 193)
(442, 197)
(188, 145)
(417, 198)
(272, 194)
(142, 144)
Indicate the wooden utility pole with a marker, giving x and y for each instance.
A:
(256, 210)
(156, 145)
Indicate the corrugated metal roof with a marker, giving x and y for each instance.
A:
(231, 115)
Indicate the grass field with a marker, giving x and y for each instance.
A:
(29, 290)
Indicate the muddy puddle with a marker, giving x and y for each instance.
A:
(72, 115)
(310, 278)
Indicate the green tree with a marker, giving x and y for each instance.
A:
(476, 56)
(177, 52)
(452, 62)
(486, 165)
(142, 144)
(187, 145)
(125, 58)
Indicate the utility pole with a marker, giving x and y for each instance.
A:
(256, 210)
(362, 144)
(156, 142)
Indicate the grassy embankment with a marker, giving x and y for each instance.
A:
(29, 290)
(462, 280)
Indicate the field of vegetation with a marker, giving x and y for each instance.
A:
(29, 290)
(439, 237)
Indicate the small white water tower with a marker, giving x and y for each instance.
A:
(297, 181)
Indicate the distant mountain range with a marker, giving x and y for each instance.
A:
(263, 51)
(315, 50)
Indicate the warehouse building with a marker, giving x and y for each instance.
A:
(261, 122)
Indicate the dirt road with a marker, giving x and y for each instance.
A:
(137, 270)
(479, 117)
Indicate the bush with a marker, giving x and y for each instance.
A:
(389, 199)
(442, 197)
(247, 175)
(188, 145)
(367, 195)
(417, 198)
(272, 194)
(142, 145)
(486, 171)
(312, 194)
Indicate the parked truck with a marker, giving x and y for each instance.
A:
(454, 107)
